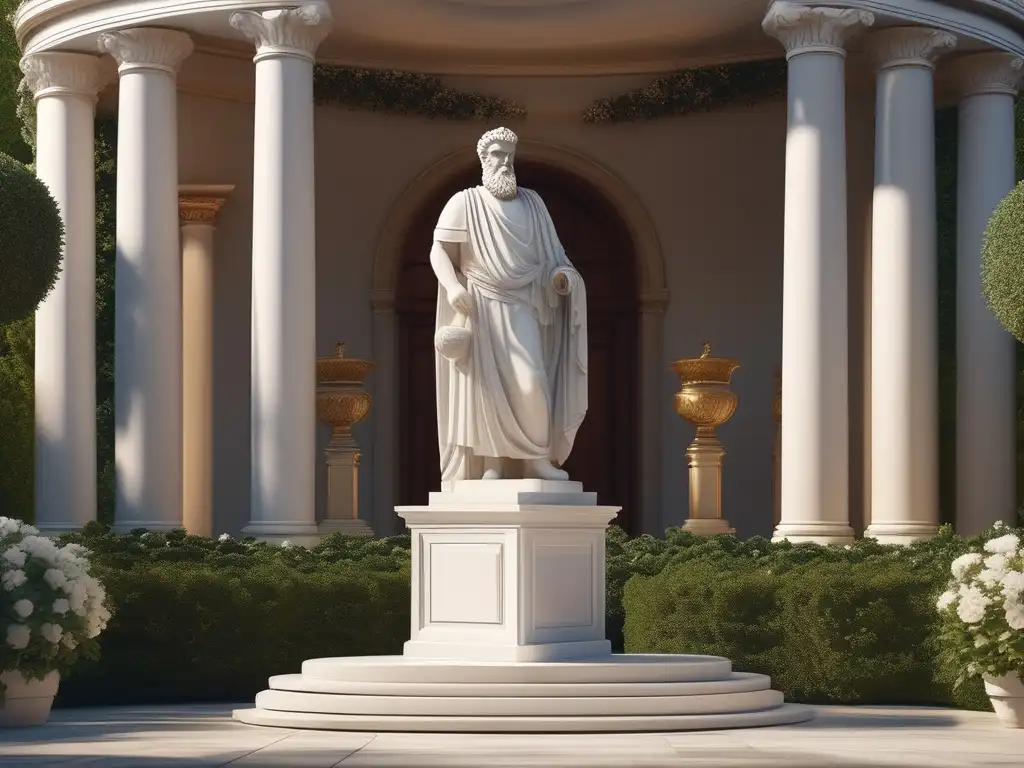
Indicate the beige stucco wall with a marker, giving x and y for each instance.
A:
(712, 185)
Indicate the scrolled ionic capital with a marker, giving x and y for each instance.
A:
(199, 210)
(990, 72)
(909, 47)
(147, 48)
(805, 29)
(288, 32)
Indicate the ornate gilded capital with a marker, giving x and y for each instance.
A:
(147, 48)
(991, 72)
(909, 47)
(288, 32)
(199, 210)
(65, 74)
(803, 29)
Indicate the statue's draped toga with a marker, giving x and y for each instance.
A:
(521, 391)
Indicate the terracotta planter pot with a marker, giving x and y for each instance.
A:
(1007, 695)
(27, 702)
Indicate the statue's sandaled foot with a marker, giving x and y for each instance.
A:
(492, 469)
(542, 469)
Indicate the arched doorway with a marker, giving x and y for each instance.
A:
(605, 456)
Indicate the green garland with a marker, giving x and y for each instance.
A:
(407, 93)
(693, 90)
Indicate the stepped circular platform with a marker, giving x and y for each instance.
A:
(612, 693)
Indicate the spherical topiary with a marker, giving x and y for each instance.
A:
(31, 237)
(1002, 262)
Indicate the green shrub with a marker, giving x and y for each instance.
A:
(832, 625)
(31, 236)
(199, 619)
(1002, 262)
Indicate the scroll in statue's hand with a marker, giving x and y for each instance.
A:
(460, 300)
(561, 283)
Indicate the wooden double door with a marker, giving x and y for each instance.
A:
(605, 456)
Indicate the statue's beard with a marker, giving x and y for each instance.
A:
(502, 185)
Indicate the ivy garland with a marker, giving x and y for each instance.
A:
(407, 93)
(693, 90)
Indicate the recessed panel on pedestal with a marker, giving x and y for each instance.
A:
(465, 582)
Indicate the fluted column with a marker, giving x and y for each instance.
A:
(986, 423)
(198, 207)
(904, 322)
(284, 272)
(65, 87)
(815, 433)
(147, 343)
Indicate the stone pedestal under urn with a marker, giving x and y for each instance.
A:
(705, 401)
(342, 402)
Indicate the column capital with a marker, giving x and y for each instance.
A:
(201, 203)
(990, 72)
(147, 48)
(909, 47)
(805, 29)
(65, 74)
(287, 32)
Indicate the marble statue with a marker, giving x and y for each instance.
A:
(511, 332)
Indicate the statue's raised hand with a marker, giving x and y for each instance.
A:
(460, 300)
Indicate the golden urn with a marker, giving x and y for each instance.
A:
(340, 399)
(703, 398)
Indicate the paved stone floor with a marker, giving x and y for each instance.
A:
(840, 737)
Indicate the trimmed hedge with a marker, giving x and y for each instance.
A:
(199, 620)
(830, 625)
(31, 237)
(1002, 262)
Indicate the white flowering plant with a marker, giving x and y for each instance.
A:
(982, 609)
(52, 607)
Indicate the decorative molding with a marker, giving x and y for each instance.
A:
(65, 74)
(199, 210)
(990, 72)
(147, 48)
(289, 32)
(909, 47)
(803, 29)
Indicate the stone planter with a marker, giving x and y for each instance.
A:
(1007, 696)
(27, 702)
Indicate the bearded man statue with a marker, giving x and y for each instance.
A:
(511, 332)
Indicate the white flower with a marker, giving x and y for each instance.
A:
(55, 578)
(224, 537)
(15, 556)
(77, 597)
(1014, 613)
(41, 547)
(24, 608)
(998, 524)
(989, 577)
(998, 562)
(286, 545)
(961, 565)
(1007, 544)
(51, 632)
(61, 606)
(945, 600)
(1013, 583)
(18, 636)
(972, 605)
(13, 579)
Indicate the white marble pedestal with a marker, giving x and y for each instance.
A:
(508, 593)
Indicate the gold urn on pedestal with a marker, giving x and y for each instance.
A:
(342, 402)
(705, 401)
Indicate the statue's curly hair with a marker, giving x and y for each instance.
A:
(496, 134)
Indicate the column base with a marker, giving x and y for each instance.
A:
(56, 529)
(349, 527)
(299, 534)
(814, 533)
(901, 532)
(708, 526)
